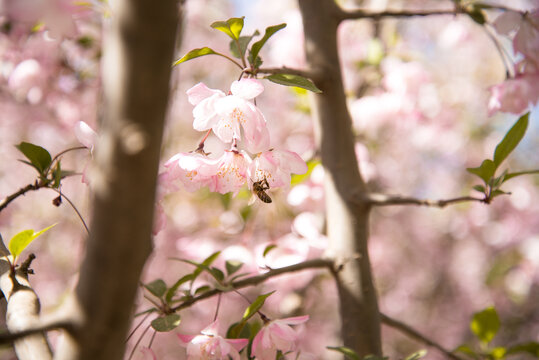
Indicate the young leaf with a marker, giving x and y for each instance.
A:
(243, 43)
(255, 306)
(166, 323)
(519, 173)
(177, 284)
(217, 274)
(293, 80)
(255, 49)
(485, 171)
(349, 353)
(202, 289)
(485, 324)
(157, 287)
(232, 27)
(479, 188)
(531, 348)
(197, 53)
(232, 266)
(511, 139)
(38, 156)
(466, 349)
(20, 241)
(234, 331)
(268, 249)
(498, 352)
(417, 355)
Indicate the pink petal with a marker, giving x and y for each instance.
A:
(247, 88)
(185, 339)
(238, 344)
(212, 329)
(200, 92)
(507, 22)
(294, 320)
(291, 161)
(205, 114)
(85, 134)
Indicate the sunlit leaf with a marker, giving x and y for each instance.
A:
(417, 355)
(511, 139)
(268, 249)
(466, 349)
(39, 157)
(232, 27)
(157, 287)
(498, 352)
(293, 80)
(166, 323)
(20, 241)
(177, 284)
(196, 53)
(485, 324)
(257, 46)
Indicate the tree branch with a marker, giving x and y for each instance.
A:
(416, 335)
(10, 337)
(366, 14)
(376, 199)
(22, 191)
(255, 280)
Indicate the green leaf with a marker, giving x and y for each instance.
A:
(485, 324)
(243, 42)
(511, 139)
(197, 53)
(296, 179)
(520, 173)
(498, 352)
(349, 353)
(477, 15)
(255, 306)
(268, 249)
(375, 357)
(157, 287)
(217, 274)
(479, 188)
(531, 348)
(239, 330)
(232, 27)
(166, 323)
(257, 46)
(202, 289)
(466, 349)
(38, 156)
(293, 80)
(232, 266)
(485, 171)
(497, 192)
(177, 284)
(205, 264)
(57, 175)
(417, 355)
(20, 241)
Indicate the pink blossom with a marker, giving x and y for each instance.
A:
(193, 170)
(276, 166)
(526, 40)
(276, 335)
(211, 346)
(515, 95)
(225, 114)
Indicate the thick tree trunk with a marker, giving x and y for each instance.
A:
(347, 221)
(138, 54)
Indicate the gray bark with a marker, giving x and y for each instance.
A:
(347, 220)
(138, 54)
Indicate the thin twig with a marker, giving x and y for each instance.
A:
(416, 335)
(74, 208)
(255, 280)
(22, 191)
(375, 199)
(365, 14)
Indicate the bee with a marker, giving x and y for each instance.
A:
(259, 189)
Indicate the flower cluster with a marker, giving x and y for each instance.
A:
(232, 118)
(515, 94)
(275, 335)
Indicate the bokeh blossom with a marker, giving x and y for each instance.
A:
(209, 345)
(276, 335)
